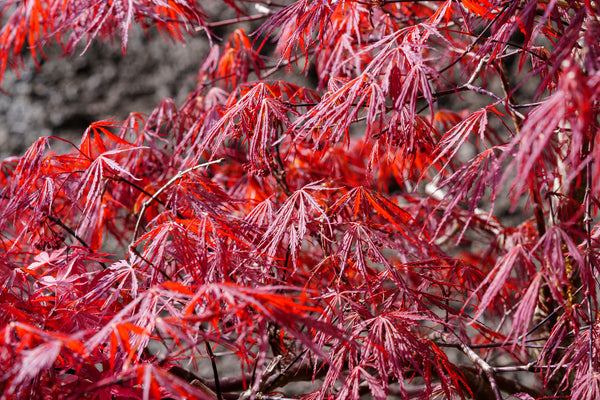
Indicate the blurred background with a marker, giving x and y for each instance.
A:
(67, 93)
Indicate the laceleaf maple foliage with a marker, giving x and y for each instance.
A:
(343, 233)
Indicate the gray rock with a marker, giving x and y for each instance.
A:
(68, 93)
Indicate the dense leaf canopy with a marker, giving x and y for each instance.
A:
(418, 221)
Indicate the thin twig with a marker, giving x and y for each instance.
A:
(154, 197)
(71, 232)
(495, 344)
(477, 39)
(278, 380)
(211, 355)
(279, 173)
(232, 21)
(483, 91)
(479, 362)
(550, 315)
(531, 367)
(508, 95)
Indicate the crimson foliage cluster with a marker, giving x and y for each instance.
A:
(343, 234)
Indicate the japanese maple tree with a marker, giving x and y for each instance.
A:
(350, 233)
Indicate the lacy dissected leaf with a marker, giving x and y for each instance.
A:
(353, 382)
(196, 195)
(364, 204)
(392, 345)
(123, 336)
(538, 145)
(525, 311)
(172, 240)
(459, 133)
(32, 214)
(93, 184)
(196, 118)
(299, 20)
(498, 277)
(579, 361)
(468, 185)
(256, 116)
(399, 61)
(37, 355)
(407, 148)
(301, 214)
(338, 52)
(29, 166)
(113, 282)
(237, 59)
(363, 259)
(562, 258)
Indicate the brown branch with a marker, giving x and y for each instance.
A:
(233, 21)
(211, 355)
(509, 97)
(483, 389)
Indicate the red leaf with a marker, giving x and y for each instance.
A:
(497, 278)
